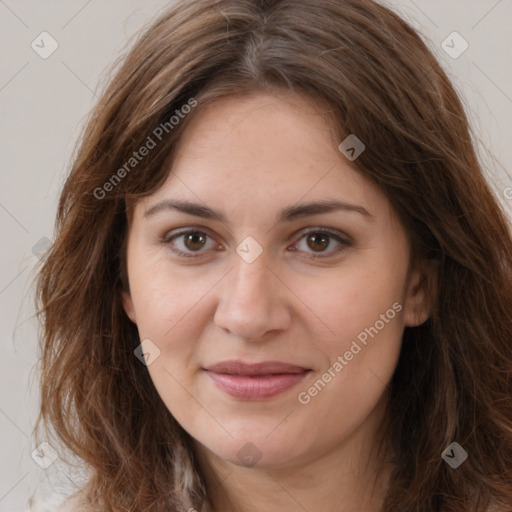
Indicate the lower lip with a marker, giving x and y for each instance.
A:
(256, 388)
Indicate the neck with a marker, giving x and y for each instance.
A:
(350, 477)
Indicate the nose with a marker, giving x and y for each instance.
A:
(253, 301)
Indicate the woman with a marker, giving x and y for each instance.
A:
(280, 280)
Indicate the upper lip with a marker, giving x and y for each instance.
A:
(264, 368)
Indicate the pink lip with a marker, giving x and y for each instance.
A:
(255, 381)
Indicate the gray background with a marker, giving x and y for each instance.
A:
(43, 105)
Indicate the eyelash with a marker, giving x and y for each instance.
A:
(344, 242)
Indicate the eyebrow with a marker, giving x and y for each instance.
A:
(287, 214)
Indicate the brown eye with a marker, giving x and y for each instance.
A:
(194, 240)
(189, 243)
(321, 243)
(318, 241)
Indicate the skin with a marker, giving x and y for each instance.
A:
(249, 157)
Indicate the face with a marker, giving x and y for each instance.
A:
(273, 282)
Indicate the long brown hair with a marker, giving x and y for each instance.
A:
(453, 381)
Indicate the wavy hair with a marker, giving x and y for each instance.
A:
(453, 381)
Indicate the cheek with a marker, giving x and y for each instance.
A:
(164, 297)
(362, 302)
(170, 312)
(364, 313)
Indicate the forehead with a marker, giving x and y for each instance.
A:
(257, 128)
(263, 150)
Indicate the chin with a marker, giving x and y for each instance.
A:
(257, 450)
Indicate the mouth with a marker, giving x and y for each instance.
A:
(255, 381)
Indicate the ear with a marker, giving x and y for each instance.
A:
(128, 306)
(419, 295)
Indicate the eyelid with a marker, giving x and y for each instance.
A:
(173, 233)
